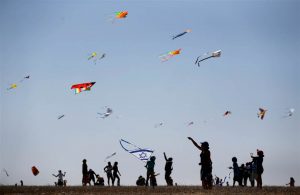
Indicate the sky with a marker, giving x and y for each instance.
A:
(51, 41)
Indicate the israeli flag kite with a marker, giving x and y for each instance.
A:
(141, 154)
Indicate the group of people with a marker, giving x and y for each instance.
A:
(252, 170)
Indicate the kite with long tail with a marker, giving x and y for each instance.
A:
(183, 33)
(108, 157)
(170, 54)
(211, 55)
(142, 154)
(4, 170)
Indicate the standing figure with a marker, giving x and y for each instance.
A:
(206, 164)
(115, 174)
(85, 174)
(150, 168)
(108, 171)
(259, 167)
(292, 182)
(168, 170)
(21, 182)
(60, 176)
(91, 176)
(236, 172)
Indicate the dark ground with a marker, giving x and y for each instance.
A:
(144, 190)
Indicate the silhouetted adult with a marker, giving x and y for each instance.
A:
(168, 170)
(292, 182)
(150, 169)
(206, 164)
(91, 176)
(259, 167)
(116, 173)
(85, 174)
(108, 170)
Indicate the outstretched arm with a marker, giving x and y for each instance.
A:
(55, 175)
(165, 156)
(195, 143)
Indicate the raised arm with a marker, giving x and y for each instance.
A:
(165, 156)
(195, 143)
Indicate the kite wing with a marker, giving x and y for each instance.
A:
(82, 87)
(141, 154)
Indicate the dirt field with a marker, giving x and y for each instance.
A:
(144, 190)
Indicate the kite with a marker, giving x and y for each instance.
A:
(119, 15)
(96, 57)
(183, 33)
(212, 55)
(107, 113)
(82, 87)
(35, 171)
(26, 77)
(158, 125)
(290, 112)
(141, 154)
(190, 123)
(261, 113)
(110, 156)
(167, 56)
(4, 170)
(61, 116)
(12, 86)
(227, 113)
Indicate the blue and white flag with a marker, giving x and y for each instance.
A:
(142, 154)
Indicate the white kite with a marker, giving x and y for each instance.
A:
(209, 55)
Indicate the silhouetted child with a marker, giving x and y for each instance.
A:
(21, 182)
(91, 176)
(115, 174)
(140, 181)
(292, 182)
(150, 168)
(100, 181)
(153, 181)
(60, 175)
(247, 173)
(259, 166)
(206, 164)
(168, 170)
(85, 174)
(108, 170)
(236, 172)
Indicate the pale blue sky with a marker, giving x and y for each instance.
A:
(51, 40)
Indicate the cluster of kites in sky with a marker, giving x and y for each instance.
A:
(142, 154)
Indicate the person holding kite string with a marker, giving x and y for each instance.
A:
(60, 175)
(150, 169)
(206, 164)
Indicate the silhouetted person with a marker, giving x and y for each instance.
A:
(150, 168)
(292, 182)
(217, 181)
(85, 174)
(242, 173)
(259, 167)
(91, 176)
(100, 181)
(60, 175)
(116, 173)
(108, 171)
(153, 181)
(140, 181)
(247, 173)
(236, 172)
(21, 182)
(168, 170)
(206, 164)
(227, 183)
